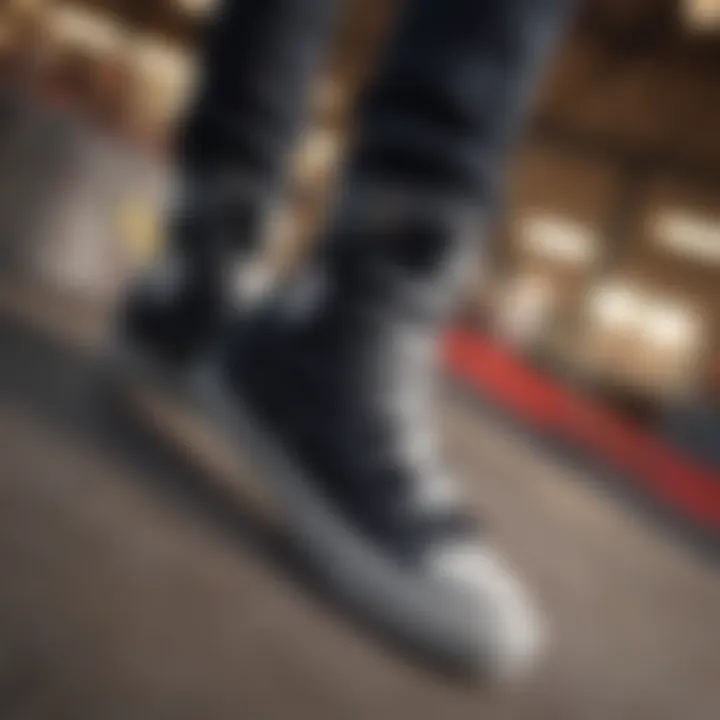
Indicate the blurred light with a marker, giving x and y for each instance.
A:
(615, 306)
(163, 62)
(689, 234)
(165, 73)
(560, 239)
(665, 324)
(702, 14)
(85, 30)
(140, 229)
(672, 326)
(317, 154)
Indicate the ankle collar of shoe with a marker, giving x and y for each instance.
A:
(404, 244)
(416, 227)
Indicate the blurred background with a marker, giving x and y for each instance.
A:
(593, 324)
(603, 270)
(608, 253)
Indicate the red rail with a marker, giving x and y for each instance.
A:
(498, 374)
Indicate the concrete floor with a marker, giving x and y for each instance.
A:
(135, 586)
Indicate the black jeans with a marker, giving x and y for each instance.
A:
(440, 115)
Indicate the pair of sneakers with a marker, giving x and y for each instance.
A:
(327, 385)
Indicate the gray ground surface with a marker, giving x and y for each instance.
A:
(135, 586)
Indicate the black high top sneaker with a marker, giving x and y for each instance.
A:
(329, 389)
(174, 311)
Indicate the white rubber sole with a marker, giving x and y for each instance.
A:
(446, 627)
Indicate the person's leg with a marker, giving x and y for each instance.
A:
(261, 58)
(339, 368)
(259, 61)
(449, 99)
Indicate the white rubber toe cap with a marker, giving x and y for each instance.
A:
(511, 632)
